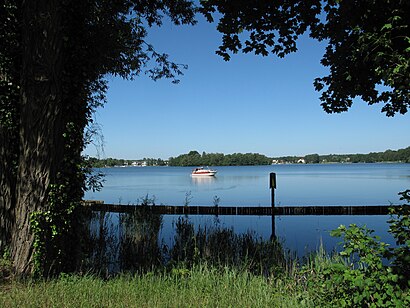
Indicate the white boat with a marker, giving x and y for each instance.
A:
(202, 171)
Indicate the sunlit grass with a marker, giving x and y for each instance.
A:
(202, 286)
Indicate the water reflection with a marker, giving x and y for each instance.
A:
(123, 242)
(203, 180)
(139, 238)
(143, 240)
(134, 242)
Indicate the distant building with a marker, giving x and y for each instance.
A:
(301, 161)
(279, 162)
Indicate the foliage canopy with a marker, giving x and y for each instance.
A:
(368, 44)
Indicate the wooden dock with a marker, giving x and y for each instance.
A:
(242, 210)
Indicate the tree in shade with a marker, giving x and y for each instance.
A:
(54, 59)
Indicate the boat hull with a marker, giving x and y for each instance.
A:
(208, 173)
(203, 172)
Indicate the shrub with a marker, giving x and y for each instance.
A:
(372, 273)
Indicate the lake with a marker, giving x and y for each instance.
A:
(318, 184)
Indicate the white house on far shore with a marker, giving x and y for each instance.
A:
(139, 164)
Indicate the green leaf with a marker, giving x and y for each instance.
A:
(387, 27)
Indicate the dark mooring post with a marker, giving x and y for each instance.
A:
(272, 186)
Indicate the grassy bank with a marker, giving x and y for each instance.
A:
(202, 286)
(323, 281)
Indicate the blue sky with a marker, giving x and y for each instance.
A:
(249, 104)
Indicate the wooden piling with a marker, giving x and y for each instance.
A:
(243, 210)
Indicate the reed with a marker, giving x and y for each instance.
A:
(132, 244)
(222, 247)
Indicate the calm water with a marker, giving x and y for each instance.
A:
(336, 184)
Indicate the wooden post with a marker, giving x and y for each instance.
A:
(272, 186)
(273, 234)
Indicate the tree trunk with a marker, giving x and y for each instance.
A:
(7, 193)
(41, 127)
(9, 117)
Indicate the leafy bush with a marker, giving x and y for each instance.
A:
(372, 274)
(400, 228)
(364, 280)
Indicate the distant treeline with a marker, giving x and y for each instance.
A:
(114, 162)
(193, 158)
(402, 155)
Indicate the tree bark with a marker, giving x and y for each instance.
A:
(7, 192)
(9, 117)
(41, 126)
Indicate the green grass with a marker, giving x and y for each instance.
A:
(202, 286)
